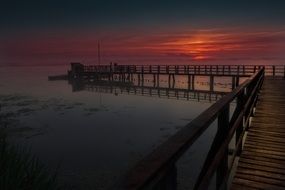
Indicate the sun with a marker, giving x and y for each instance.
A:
(201, 57)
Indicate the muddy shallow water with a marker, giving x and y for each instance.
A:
(95, 137)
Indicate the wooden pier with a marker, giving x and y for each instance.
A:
(127, 73)
(262, 156)
(262, 162)
(256, 128)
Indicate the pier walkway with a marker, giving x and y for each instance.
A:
(262, 162)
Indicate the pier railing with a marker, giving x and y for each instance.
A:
(243, 70)
(158, 169)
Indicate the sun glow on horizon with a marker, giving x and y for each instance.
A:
(198, 45)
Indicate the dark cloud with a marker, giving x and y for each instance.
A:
(105, 13)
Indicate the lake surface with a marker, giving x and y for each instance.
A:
(95, 137)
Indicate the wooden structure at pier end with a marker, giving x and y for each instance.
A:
(256, 125)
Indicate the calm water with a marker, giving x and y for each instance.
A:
(96, 137)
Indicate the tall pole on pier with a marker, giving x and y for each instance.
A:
(99, 53)
(99, 63)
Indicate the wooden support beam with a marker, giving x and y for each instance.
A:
(223, 128)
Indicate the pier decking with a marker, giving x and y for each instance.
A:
(262, 162)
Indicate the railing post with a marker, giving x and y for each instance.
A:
(189, 82)
(284, 72)
(273, 70)
(169, 180)
(212, 83)
(237, 81)
(238, 70)
(233, 82)
(223, 127)
(142, 74)
(239, 130)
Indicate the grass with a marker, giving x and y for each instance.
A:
(19, 170)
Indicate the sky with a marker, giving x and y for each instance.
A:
(142, 32)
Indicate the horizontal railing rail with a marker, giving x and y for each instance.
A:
(158, 169)
(270, 70)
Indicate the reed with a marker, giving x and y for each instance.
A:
(19, 169)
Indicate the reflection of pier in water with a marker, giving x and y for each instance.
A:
(130, 88)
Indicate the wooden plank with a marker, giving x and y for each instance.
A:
(268, 177)
(262, 162)
(270, 126)
(266, 145)
(262, 158)
(280, 134)
(241, 187)
(268, 119)
(274, 101)
(261, 147)
(267, 126)
(265, 119)
(259, 184)
(266, 138)
(264, 108)
(278, 138)
(268, 132)
(256, 178)
(275, 115)
(266, 153)
(264, 168)
(272, 113)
